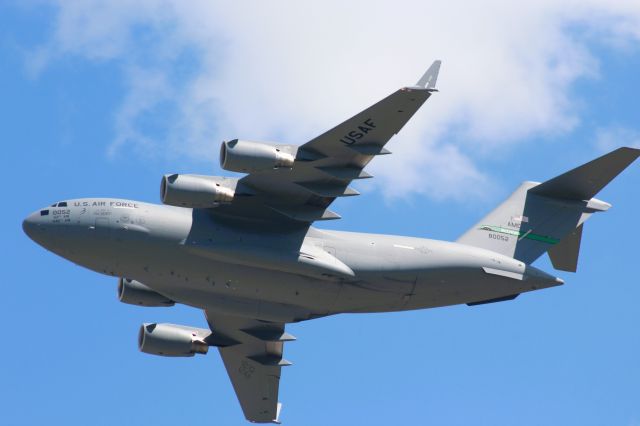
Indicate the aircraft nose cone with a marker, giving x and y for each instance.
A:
(29, 226)
(37, 228)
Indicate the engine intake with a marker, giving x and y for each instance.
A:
(196, 191)
(247, 157)
(172, 340)
(135, 293)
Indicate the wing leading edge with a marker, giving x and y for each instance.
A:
(326, 165)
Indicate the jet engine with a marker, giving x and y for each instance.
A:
(135, 293)
(247, 157)
(172, 340)
(196, 191)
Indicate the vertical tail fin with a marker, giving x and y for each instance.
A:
(538, 218)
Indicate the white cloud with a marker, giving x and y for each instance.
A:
(609, 138)
(148, 88)
(289, 70)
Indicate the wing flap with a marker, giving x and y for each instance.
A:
(328, 189)
(345, 173)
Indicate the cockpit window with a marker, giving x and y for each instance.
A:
(62, 204)
(54, 204)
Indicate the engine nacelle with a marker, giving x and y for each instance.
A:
(248, 157)
(135, 293)
(196, 191)
(172, 340)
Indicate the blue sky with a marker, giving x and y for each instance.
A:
(102, 99)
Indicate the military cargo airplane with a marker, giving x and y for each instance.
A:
(245, 252)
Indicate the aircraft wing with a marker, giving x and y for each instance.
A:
(325, 166)
(253, 359)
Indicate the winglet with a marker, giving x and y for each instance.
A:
(277, 419)
(428, 80)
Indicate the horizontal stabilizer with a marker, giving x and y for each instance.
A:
(584, 182)
(547, 217)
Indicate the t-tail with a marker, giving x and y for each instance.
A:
(548, 217)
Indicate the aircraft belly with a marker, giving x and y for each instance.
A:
(456, 286)
(397, 273)
(245, 291)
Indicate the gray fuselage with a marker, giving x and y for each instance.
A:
(212, 263)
